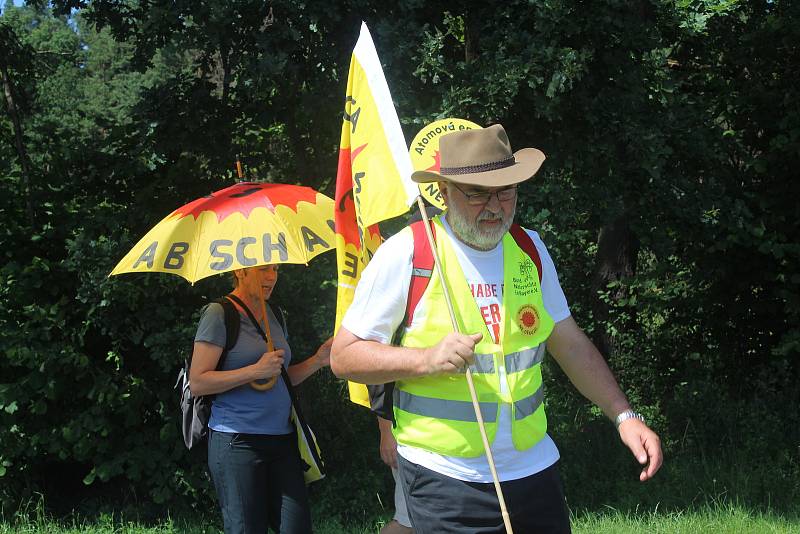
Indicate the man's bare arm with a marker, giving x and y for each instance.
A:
(371, 362)
(586, 368)
(588, 371)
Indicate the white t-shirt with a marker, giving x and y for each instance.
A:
(378, 309)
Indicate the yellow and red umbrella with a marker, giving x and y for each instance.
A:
(244, 225)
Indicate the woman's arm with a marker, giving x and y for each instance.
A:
(312, 364)
(388, 445)
(204, 379)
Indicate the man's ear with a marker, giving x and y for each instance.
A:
(444, 192)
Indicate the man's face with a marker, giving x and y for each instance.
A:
(478, 222)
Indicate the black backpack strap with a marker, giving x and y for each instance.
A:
(252, 317)
(232, 325)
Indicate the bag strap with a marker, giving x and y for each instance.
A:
(421, 267)
(292, 395)
(232, 324)
(263, 335)
(250, 315)
(422, 262)
(525, 242)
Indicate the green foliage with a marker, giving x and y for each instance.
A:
(678, 120)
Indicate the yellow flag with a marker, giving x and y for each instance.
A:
(373, 181)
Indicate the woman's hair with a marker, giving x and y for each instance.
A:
(234, 280)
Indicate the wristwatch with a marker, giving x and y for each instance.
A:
(628, 414)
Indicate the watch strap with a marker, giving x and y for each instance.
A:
(628, 414)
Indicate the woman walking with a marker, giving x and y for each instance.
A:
(252, 447)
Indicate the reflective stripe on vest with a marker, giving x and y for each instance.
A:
(463, 410)
(514, 362)
(442, 408)
(524, 359)
(525, 407)
(484, 363)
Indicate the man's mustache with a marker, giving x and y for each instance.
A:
(489, 216)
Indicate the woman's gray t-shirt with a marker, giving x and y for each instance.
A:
(244, 409)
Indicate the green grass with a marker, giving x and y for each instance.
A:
(716, 519)
(699, 490)
(720, 519)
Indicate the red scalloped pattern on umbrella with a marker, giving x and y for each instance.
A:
(244, 197)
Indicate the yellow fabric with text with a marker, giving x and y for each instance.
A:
(369, 189)
(192, 247)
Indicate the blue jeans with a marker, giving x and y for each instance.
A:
(259, 483)
(440, 504)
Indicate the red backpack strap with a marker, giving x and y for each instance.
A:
(421, 267)
(525, 242)
(422, 262)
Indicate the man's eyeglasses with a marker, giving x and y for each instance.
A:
(483, 198)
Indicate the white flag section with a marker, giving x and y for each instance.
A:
(373, 201)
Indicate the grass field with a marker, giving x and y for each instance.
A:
(716, 519)
(699, 490)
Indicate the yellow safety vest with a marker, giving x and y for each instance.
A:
(435, 412)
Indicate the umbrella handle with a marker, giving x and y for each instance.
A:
(264, 385)
(260, 385)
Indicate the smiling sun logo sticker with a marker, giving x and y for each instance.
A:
(528, 319)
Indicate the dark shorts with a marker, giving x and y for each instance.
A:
(259, 483)
(440, 504)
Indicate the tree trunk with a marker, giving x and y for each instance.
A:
(617, 251)
(226, 71)
(19, 141)
(471, 35)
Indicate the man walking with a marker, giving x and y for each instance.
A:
(509, 305)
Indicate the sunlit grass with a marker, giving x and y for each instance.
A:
(715, 518)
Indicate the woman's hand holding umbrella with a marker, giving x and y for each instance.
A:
(269, 365)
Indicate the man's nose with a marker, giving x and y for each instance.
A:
(494, 204)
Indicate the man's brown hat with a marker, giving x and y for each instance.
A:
(482, 157)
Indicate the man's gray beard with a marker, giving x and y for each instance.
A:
(474, 236)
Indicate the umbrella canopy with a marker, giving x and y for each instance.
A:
(244, 225)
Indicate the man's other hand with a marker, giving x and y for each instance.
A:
(644, 444)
